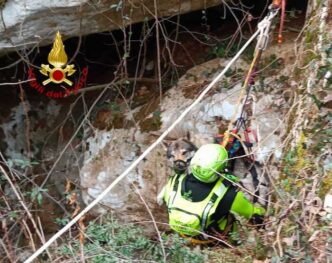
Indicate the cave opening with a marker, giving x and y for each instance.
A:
(133, 54)
(184, 41)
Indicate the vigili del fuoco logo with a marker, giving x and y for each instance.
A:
(56, 80)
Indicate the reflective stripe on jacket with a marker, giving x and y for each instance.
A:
(187, 217)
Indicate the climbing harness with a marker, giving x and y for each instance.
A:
(196, 241)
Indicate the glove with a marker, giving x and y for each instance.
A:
(257, 220)
(258, 216)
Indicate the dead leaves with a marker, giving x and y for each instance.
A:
(73, 202)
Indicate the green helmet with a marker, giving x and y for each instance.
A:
(209, 159)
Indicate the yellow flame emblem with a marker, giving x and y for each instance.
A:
(57, 58)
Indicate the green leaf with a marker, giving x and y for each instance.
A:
(39, 198)
(37, 194)
(12, 215)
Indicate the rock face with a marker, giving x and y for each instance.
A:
(117, 150)
(111, 152)
(34, 22)
(14, 127)
(28, 138)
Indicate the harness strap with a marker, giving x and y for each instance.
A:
(220, 192)
(196, 241)
(173, 193)
(207, 210)
(224, 206)
(255, 180)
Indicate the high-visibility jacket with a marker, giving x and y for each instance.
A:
(192, 218)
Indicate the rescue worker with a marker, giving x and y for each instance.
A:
(205, 200)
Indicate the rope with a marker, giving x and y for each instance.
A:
(263, 29)
(282, 20)
(149, 149)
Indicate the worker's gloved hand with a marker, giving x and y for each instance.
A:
(258, 216)
(257, 220)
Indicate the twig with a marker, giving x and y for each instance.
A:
(9, 251)
(74, 135)
(153, 221)
(14, 172)
(101, 86)
(281, 253)
(203, 233)
(16, 83)
(27, 122)
(288, 210)
(158, 49)
(24, 206)
(82, 228)
(30, 235)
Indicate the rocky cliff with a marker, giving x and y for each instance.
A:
(33, 23)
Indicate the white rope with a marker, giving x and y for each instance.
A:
(146, 152)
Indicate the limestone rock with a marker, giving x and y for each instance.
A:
(14, 128)
(111, 152)
(34, 22)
